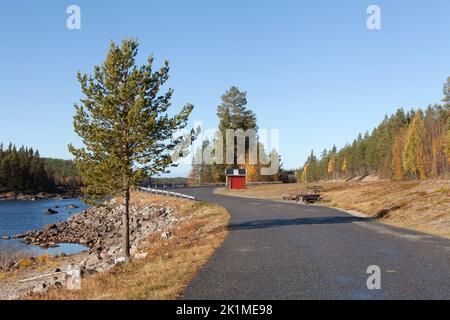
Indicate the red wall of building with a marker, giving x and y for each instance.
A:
(237, 182)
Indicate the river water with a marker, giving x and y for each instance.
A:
(21, 216)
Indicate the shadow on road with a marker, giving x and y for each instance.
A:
(273, 223)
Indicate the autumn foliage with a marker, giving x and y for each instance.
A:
(407, 145)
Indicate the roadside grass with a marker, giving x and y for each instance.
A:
(170, 264)
(423, 205)
(264, 191)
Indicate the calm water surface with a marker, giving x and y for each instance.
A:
(21, 216)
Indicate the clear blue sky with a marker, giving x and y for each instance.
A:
(311, 68)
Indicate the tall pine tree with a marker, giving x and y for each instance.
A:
(125, 127)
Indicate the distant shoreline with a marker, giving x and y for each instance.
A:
(23, 196)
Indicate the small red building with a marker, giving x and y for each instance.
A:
(236, 178)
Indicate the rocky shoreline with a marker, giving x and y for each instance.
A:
(99, 229)
(11, 196)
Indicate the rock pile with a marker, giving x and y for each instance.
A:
(100, 228)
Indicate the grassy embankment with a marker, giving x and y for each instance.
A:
(418, 205)
(170, 264)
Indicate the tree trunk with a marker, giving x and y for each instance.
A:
(126, 226)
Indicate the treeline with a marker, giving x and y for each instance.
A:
(62, 173)
(23, 170)
(232, 114)
(159, 181)
(407, 145)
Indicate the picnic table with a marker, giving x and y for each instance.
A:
(313, 194)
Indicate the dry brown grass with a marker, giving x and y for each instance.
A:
(424, 205)
(25, 263)
(170, 265)
(12, 254)
(44, 258)
(265, 191)
(47, 261)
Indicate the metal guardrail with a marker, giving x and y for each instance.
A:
(184, 185)
(168, 186)
(212, 184)
(168, 193)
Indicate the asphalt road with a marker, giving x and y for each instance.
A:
(278, 250)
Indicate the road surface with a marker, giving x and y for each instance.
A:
(278, 250)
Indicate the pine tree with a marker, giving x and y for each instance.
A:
(276, 156)
(446, 98)
(14, 170)
(201, 171)
(312, 168)
(124, 125)
(447, 142)
(2, 172)
(233, 114)
(446, 101)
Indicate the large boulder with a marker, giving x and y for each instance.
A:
(50, 211)
(50, 227)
